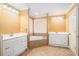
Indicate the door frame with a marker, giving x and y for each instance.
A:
(77, 6)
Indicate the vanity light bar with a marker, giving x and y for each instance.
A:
(10, 8)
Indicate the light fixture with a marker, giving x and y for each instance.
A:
(36, 13)
(10, 8)
(57, 19)
(5, 6)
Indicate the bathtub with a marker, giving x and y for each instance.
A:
(32, 38)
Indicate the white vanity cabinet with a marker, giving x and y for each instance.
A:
(20, 44)
(14, 46)
(57, 39)
(8, 48)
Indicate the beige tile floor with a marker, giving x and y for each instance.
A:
(49, 51)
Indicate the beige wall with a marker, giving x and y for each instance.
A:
(9, 20)
(0, 30)
(57, 25)
(24, 21)
(67, 25)
(12, 22)
(0, 17)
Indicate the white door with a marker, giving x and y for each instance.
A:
(72, 30)
(17, 46)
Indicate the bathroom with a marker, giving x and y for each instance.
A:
(28, 26)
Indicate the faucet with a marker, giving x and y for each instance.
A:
(11, 34)
(56, 32)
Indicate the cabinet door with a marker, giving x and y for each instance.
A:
(20, 44)
(64, 39)
(8, 48)
(54, 39)
(61, 39)
(8, 52)
(17, 45)
(50, 39)
(23, 42)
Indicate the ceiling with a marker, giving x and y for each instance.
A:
(41, 9)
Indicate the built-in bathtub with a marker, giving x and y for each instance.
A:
(33, 38)
(38, 40)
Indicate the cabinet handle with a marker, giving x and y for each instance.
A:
(69, 33)
(7, 48)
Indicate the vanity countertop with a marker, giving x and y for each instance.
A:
(58, 33)
(14, 35)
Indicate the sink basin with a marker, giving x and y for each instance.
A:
(58, 33)
(9, 36)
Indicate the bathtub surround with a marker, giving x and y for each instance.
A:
(38, 30)
(37, 41)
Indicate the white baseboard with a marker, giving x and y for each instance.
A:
(21, 52)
